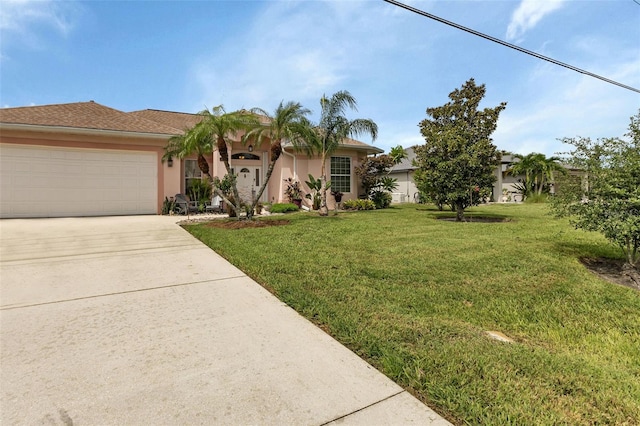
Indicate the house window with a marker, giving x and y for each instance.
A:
(191, 172)
(245, 156)
(341, 174)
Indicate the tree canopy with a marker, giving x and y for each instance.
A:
(606, 197)
(374, 176)
(456, 165)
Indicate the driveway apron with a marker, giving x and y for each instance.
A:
(131, 320)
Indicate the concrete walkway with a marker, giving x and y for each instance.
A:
(130, 320)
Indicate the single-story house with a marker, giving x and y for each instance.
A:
(86, 159)
(408, 192)
(504, 189)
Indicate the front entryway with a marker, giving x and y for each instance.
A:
(249, 181)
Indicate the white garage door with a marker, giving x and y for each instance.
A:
(37, 181)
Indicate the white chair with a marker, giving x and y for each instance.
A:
(215, 205)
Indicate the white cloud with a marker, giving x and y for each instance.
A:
(23, 21)
(567, 104)
(300, 60)
(21, 15)
(528, 14)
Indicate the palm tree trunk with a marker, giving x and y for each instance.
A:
(324, 210)
(255, 202)
(224, 154)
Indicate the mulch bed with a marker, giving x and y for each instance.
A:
(479, 219)
(609, 269)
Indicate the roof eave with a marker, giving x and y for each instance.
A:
(368, 149)
(82, 131)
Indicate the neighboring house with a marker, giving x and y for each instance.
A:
(504, 189)
(406, 192)
(86, 159)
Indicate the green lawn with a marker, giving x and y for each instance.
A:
(414, 296)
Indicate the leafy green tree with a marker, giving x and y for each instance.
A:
(375, 179)
(331, 132)
(456, 165)
(288, 122)
(607, 200)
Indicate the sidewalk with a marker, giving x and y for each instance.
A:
(130, 320)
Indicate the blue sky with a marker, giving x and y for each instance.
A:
(188, 55)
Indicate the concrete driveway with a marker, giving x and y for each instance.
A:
(130, 320)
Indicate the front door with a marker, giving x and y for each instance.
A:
(248, 182)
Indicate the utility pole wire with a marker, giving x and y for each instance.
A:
(512, 46)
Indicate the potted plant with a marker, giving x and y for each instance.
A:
(293, 192)
(337, 195)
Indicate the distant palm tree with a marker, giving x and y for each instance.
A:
(287, 123)
(548, 166)
(537, 169)
(397, 154)
(331, 132)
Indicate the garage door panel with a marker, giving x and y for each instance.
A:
(48, 182)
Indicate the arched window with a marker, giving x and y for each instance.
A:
(244, 156)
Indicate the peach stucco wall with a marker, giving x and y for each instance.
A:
(171, 179)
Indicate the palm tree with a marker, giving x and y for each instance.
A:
(397, 154)
(211, 133)
(548, 167)
(287, 123)
(195, 140)
(537, 169)
(332, 130)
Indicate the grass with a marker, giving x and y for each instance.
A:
(414, 296)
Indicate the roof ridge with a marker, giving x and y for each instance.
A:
(162, 110)
(58, 104)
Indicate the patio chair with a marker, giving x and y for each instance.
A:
(184, 205)
(215, 205)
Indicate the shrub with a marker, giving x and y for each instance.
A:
(168, 205)
(381, 199)
(536, 198)
(359, 205)
(283, 208)
(199, 191)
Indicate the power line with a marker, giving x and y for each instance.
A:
(512, 46)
